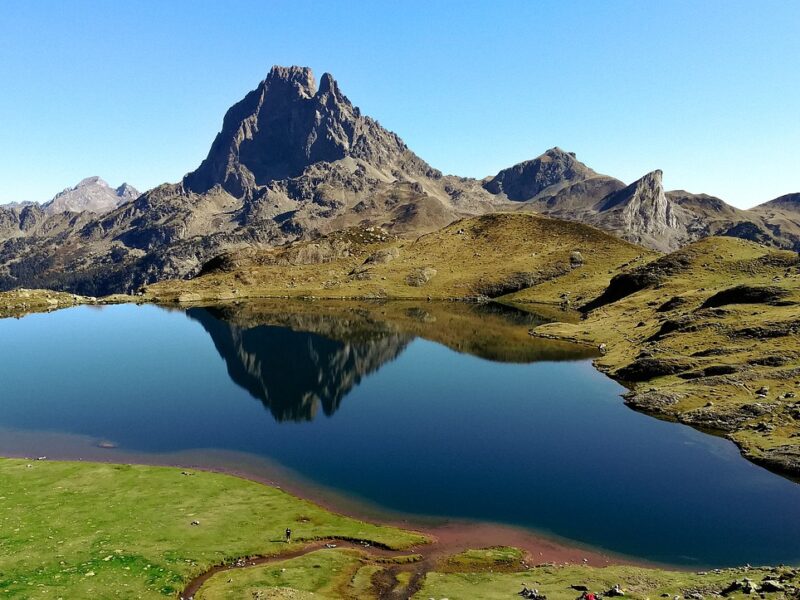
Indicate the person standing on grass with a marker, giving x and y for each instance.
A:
(288, 535)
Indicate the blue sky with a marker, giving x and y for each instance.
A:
(135, 91)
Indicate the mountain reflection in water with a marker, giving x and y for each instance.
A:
(298, 362)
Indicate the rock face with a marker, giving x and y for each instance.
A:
(91, 194)
(285, 125)
(642, 213)
(558, 185)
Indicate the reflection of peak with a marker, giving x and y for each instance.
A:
(294, 373)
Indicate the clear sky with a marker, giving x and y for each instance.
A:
(708, 91)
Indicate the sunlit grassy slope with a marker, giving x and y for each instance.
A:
(491, 255)
(81, 530)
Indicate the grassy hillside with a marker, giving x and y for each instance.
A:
(709, 335)
(491, 255)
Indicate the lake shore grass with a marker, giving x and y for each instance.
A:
(90, 530)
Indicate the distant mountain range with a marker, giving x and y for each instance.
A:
(91, 195)
(294, 161)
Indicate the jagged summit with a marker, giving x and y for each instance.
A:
(127, 191)
(286, 125)
(648, 190)
(91, 194)
(643, 213)
(298, 79)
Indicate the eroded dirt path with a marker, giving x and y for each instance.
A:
(372, 550)
(446, 540)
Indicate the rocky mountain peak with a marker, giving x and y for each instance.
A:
(127, 192)
(646, 214)
(549, 171)
(91, 194)
(89, 181)
(286, 125)
(328, 85)
(296, 80)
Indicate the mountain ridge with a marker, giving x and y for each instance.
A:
(294, 161)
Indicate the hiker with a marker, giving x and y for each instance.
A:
(288, 535)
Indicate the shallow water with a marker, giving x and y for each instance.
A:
(366, 405)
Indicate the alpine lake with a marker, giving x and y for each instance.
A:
(426, 410)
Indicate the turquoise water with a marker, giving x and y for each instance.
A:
(402, 422)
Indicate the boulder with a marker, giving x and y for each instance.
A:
(420, 276)
(575, 259)
(382, 256)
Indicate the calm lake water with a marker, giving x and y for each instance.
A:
(371, 408)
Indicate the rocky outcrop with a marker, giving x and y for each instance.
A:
(559, 185)
(642, 213)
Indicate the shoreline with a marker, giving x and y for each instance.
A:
(448, 535)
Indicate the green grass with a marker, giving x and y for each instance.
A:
(85, 530)
(500, 558)
(324, 573)
(330, 574)
(88, 530)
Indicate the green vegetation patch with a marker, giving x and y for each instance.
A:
(324, 573)
(497, 559)
(87, 530)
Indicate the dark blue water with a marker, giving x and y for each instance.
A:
(403, 422)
